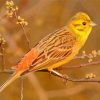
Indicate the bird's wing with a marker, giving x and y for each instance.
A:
(53, 48)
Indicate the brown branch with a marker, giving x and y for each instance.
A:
(23, 29)
(7, 71)
(67, 78)
(81, 65)
(3, 59)
(14, 47)
(2, 56)
(82, 80)
(28, 41)
(22, 87)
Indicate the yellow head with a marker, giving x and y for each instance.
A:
(81, 25)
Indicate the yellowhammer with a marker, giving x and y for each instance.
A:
(56, 48)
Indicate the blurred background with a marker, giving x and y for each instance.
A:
(45, 16)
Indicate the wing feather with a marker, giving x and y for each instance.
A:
(53, 48)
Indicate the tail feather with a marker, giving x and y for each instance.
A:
(9, 81)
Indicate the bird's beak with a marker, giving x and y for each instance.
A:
(93, 24)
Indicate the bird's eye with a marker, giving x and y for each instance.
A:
(84, 23)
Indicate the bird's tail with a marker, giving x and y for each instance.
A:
(9, 81)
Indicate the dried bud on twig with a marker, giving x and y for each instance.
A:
(2, 40)
(90, 76)
(21, 21)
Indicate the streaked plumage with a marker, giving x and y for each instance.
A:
(55, 49)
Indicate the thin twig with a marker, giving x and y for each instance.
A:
(81, 65)
(2, 56)
(28, 41)
(67, 78)
(83, 80)
(22, 27)
(14, 47)
(22, 89)
(3, 59)
(7, 71)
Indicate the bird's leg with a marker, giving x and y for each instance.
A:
(65, 77)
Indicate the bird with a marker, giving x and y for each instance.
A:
(55, 49)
